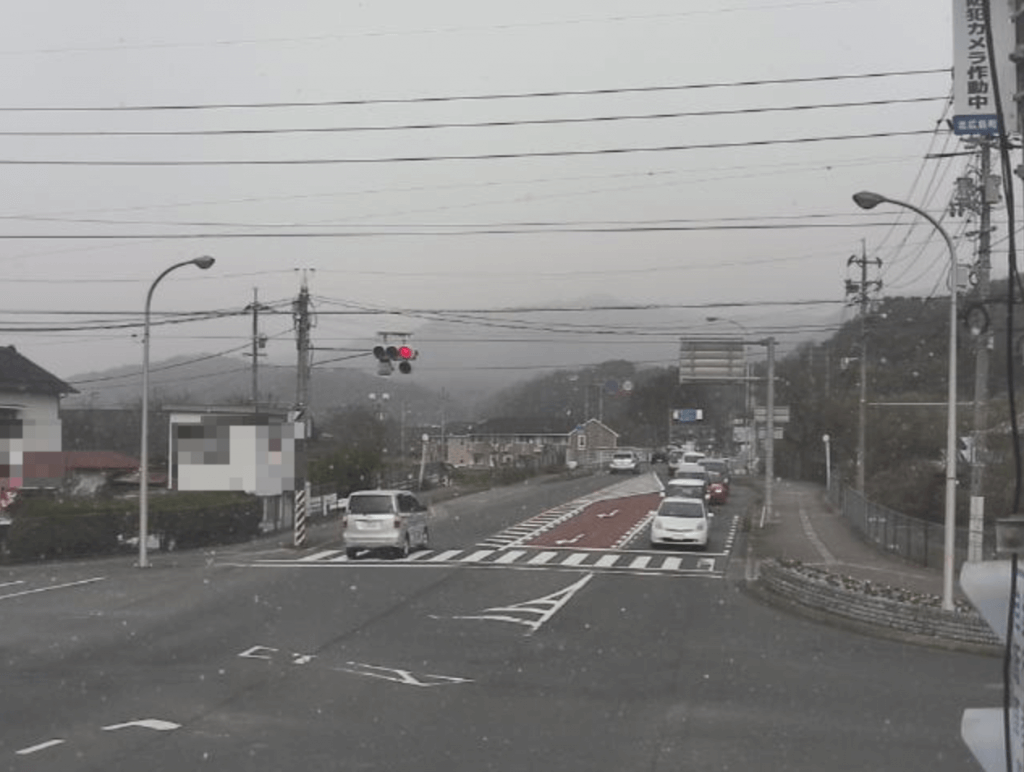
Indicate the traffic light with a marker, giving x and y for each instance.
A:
(387, 355)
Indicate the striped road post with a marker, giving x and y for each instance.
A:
(301, 498)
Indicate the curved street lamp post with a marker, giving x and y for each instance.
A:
(203, 262)
(868, 200)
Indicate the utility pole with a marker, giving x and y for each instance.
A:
(300, 313)
(860, 290)
(258, 342)
(977, 195)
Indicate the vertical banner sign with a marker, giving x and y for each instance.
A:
(974, 98)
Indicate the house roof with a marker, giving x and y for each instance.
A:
(20, 374)
(582, 427)
(57, 463)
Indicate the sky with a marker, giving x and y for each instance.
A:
(694, 157)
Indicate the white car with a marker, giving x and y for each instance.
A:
(624, 461)
(392, 520)
(679, 521)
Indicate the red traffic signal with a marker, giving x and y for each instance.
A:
(402, 354)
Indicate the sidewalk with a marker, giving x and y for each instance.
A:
(807, 528)
(807, 558)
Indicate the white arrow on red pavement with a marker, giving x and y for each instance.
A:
(573, 540)
(613, 513)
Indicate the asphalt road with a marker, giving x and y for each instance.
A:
(258, 658)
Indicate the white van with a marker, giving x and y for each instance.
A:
(393, 520)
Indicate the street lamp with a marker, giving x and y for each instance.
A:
(203, 262)
(868, 200)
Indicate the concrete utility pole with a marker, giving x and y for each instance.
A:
(860, 290)
(302, 488)
(258, 342)
(977, 195)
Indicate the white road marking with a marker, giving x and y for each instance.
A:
(531, 613)
(421, 555)
(446, 555)
(52, 587)
(321, 555)
(575, 559)
(606, 561)
(573, 540)
(11, 584)
(397, 675)
(613, 513)
(40, 747)
(476, 556)
(156, 724)
(543, 557)
(672, 564)
(511, 556)
(706, 564)
(640, 561)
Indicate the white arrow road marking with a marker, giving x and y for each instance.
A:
(39, 747)
(573, 540)
(397, 675)
(156, 724)
(531, 613)
(613, 513)
(52, 587)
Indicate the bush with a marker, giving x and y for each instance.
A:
(48, 529)
(56, 536)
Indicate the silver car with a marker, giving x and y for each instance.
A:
(392, 520)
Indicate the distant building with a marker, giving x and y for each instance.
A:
(591, 444)
(531, 443)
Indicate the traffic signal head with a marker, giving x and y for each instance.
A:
(381, 353)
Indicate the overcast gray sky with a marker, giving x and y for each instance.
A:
(384, 215)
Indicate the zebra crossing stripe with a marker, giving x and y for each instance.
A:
(672, 564)
(607, 561)
(320, 556)
(476, 557)
(442, 556)
(575, 559)
(511, 556)
(421, 555)
(541, 558)
(640, 562)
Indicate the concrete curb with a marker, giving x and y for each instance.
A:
(869, 609)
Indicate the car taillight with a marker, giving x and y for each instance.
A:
(398, 521)
(344, 521)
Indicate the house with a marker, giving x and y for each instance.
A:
(511, 442)
(29, 414)
(591, 443)
(531, 442)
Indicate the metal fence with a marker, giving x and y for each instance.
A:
(920, 541)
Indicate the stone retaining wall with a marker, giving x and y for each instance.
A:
(864, 604)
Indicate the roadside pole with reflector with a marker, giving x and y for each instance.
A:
(996, 589)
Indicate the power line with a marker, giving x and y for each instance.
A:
(455, 157)
(463, 124)
(474, 97)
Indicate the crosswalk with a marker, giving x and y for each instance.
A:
(622, 561)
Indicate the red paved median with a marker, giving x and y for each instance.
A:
(601, 525)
